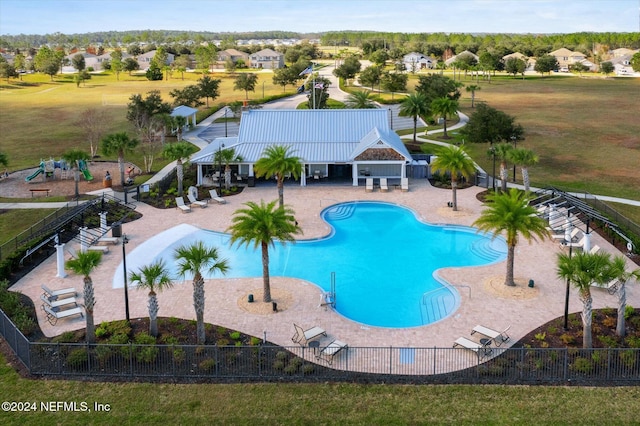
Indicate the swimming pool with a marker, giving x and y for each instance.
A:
(383, 258)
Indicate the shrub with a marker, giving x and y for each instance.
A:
(24, 322)
(608, 311)
(119, 339)
(633, 341)
(77, 357)
(567, 339)
(255, 341)
(308, 368)
(629, 357)
(207, 365)
(609, 321)
(103, 353)
(235, 335)
(581, 365)
(291, 369)
(278, 365)
(149, 351)
(179, 355)
(541, 336)
(66, 337)
(222, 342)
(281, 355)
(628, 311)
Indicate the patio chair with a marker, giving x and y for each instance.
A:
(54, 294)
(384, 187)
(498, 337)
(193, 200)
(181, 205)
(214, 196)
(109, 240)
(302, 337)
(481, 350)
(611, 286)
(369, 185)
(331, 350)
(561, 236)
(56, 302)
(102, 249)
(404, 184)
(54, 314)
(595, 249)
(578, 244)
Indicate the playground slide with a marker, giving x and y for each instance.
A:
(32, 176)
(87, 175)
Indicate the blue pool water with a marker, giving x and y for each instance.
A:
(383, 257)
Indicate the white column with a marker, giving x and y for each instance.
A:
(199, 175)
(354, 174)
(303, 176)
(83, 239)
(251, 169)
(587, 243)
(60, 261)
(103, 222)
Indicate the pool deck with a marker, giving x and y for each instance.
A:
(478, 306)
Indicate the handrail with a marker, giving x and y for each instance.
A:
(33, 250)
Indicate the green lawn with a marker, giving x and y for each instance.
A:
(13, 222)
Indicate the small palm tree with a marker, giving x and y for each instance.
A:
(524, 158)
(152, 277)
(619, 272)
(510, 212)
(444, 107)
(473, 88)
(84, 264)
(73, 157)
(261, 225)
(179, 121)
(502, 152)
(360, 99)
(583, 270)
(177, 152)
(4, 160)
(454, 159)
(193, 259)
(119, 143)
(278, 161)
(226, 157)
(415, 105)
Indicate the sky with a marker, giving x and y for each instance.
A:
(408, 16)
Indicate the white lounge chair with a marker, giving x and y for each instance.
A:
(181, 205)
(611, 286)
(498, 337)
(56, 302)
(561, 236)
(193, 200)
(369, 185)
(109, 240)
(481, 350)
(303, 336)
(578, 244)
(102, 249)
(384, 187)
(404, 184)
(595, 249)
(54, 314)
(214, 196)
(54, 294)
(331, 350)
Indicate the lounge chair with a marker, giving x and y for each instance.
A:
(193, 200)
(54, 314)
(103, 249)
(57, 302)
(404, 184)
(384, 187)
(594, 249)
(331, 350)
(181, 205)
(611, 286)
(214, 196)
(578, 244)
(302, 337)
(54, 294)
(561, 236)
(109, 240)
(481, 350)
(369, 185)
(498, 337)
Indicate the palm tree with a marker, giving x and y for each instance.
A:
(619, 272)
(473, 88)
(444, 107)
(152, 277)
(524, 158)
(179, 121)
(277, 161)
(194, 259)
(119, 143)
(583, 270)
(502, 151)
(177, 152)
(360, 100)
(73, 157)
(262, 225)
(84, 264)
(415, 105)
(455, 160)
(4, 160)
(227, 156)
(510, 212)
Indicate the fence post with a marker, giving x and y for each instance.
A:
(390, 358)
(566, 364)
(435, 353)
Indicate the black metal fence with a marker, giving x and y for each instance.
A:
(267, 362)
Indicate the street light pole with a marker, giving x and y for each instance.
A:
(125, 240)
(220, 168)
(225, 121)
(493, 178)
(566, 298)
(514, 139)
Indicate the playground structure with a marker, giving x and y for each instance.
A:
(47, 170)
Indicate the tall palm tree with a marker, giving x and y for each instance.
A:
(84, 264)
(278, 161)
(415, 105)
(501, 151)
(360, 99)
(473, 88)
(510, 212)
(454, 159)
(119, 143)
(179, 121)
(193, 259)
(261, 225)
(73, 157)
(619, 272)
(152, 277)
(226, 157)
(524, 158)
(177, 152)
(444, 107)
(583, 270)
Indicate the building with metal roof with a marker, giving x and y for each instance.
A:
(355, 143)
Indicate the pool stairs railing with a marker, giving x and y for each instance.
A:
(437, 304)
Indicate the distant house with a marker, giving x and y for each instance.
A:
(414, 62)
(566, 58)
(453, 59)
(90, 61)
(623, 51)
(622, 65)
(531, 62)
(267, 59)
(234, 55)
(145, 59)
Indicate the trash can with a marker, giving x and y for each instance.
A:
(116, 230)
(251, 181)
